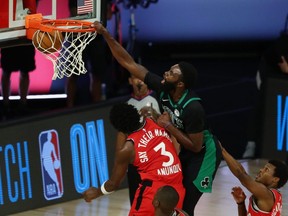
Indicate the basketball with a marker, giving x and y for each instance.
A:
(56, 164)
(47, 42)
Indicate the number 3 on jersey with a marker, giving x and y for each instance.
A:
(161, 147)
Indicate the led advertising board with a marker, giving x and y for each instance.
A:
(275, 125)
(53, 158)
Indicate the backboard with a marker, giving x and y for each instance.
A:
(13, 13)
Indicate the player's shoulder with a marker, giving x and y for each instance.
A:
(193, 105)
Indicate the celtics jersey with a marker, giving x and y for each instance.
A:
(186, 114)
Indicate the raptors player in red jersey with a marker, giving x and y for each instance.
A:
(150, 149)
(266, 199)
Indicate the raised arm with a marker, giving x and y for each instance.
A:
(120, 54)
(262, 194)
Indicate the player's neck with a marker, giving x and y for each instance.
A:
(176, 94)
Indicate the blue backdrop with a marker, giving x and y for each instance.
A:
(189, 20)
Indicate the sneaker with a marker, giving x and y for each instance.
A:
(250, 150)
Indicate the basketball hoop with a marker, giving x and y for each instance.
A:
(61, 41)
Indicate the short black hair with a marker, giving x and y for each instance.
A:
(281, 171)
(168, 198)
(189, 74)
(125, 118)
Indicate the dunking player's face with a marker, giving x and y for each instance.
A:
(266, 175)
(171, 78)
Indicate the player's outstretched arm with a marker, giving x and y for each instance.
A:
(122, 158)
(259, 190)
(120, 54)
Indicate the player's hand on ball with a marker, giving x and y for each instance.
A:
(91, 193)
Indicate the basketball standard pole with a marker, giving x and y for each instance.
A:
(132, 43)
(132, 36)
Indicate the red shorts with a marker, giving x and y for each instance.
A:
(142, 204)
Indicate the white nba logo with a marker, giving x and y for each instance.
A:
(51, 165)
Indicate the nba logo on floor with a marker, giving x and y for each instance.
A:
(51, 164)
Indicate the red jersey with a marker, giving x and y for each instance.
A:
(253, 210)
(179, 212)
(155, 154)
(158, 164)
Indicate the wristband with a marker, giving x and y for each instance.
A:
(103, 190)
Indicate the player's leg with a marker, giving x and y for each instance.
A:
(191, 165)
(210, 156)
(5, 80)
(24, 87)
(9, 63)
(26, 65)
(24, 81)
(191, 198)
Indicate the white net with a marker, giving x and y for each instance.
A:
(64, 50)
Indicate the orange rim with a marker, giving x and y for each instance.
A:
(66, 26)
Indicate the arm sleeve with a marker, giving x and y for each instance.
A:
(153, 82)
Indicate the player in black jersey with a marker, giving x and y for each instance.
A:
(200, 153)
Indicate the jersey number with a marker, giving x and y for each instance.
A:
(161, 147)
